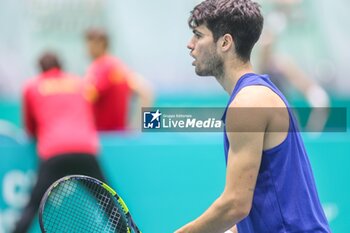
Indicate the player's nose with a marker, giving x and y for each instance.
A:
(190, 44)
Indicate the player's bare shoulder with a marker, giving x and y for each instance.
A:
(245, 113)
(257, 96)
(263, 111)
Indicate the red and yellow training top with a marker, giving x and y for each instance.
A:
(57, 113)
(110, 92)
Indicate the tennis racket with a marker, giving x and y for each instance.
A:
(82, 204)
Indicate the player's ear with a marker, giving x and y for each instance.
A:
(226, 42)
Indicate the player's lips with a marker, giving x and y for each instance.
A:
(193, 63)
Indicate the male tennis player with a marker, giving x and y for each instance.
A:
(269, 183)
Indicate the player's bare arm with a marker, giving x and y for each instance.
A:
(243, 162)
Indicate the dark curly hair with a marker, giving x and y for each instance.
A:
(241, 19)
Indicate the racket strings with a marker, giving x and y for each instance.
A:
(78, 205)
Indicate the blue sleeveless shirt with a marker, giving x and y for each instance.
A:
(285, 198)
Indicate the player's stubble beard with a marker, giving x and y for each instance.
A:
(212, 64)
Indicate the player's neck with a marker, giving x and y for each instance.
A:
(233, 71)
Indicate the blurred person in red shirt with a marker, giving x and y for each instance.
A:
(58, 115)
(112, 84)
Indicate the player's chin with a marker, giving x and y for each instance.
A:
(201, 72)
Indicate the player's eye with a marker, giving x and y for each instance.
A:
(197, 36)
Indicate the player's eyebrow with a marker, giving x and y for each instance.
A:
(195, 31)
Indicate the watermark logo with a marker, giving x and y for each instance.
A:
(181, 120)
(214, 119)
(152, 120)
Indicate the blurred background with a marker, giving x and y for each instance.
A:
(158, 174)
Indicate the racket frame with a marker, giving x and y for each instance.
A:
(125, 209)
